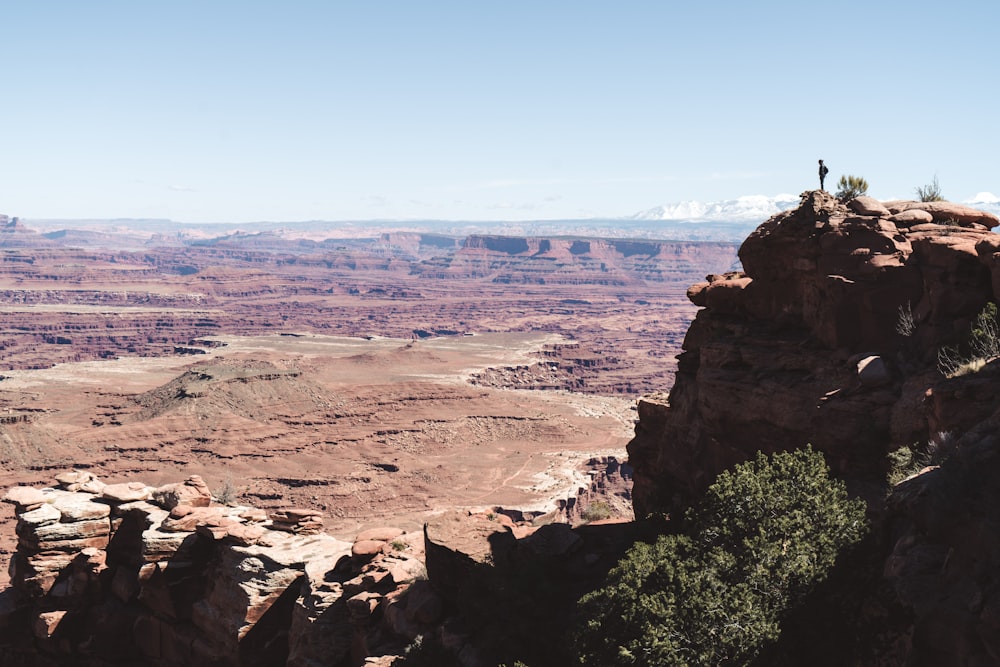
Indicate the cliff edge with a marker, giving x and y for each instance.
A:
(830, 335)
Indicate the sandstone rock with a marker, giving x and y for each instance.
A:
(193, 492)
(363, 605)
(245, 535)
(294, 515)
(216, 528)
(73, 480)
(306, 527)
(943, 212)
(321, 631)
(406, 570)
(382, 534)
(48, 535)
(698, 294)
(26, 496)
(185, 518)
(913, 216)
(872, 372)
(80, 507)
(127, 492)
(42, 514)
(865, 205)
(157, 545)
(94, 486)
(367, 549)
(253, 515)
(47, 623)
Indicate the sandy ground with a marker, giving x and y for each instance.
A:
(370, 431)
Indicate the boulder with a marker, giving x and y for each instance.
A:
(185, 518)
(910, 217)
(873, 372)
(127, 492)
(26, 497)
(80, 507)
(945, 212)
(42, 514)
(383, 534)
(192, 492)
(367, 549)
(865, 205)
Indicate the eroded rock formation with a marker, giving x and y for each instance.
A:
(830, 336)
(128, 574)
(775, 358)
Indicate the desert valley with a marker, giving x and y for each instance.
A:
(416, 449)
(388, 377)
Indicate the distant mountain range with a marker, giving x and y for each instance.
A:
(728, 220)
(743, 209)
(759, 208)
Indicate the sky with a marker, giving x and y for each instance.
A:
(240, 111)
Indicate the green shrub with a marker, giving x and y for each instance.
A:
(850, 187)
(763, 536)
(984, 346)
(931, 191)
(908, 461)
(596, 511)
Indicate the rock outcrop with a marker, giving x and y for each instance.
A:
(509, 590)
(781, 353)
(830, 336)
(128, 574)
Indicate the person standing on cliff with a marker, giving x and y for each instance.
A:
(823, 171)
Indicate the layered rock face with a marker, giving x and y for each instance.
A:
(127, 574)
(830, 336)
(804, 345)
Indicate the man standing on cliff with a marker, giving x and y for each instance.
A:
(823, 171)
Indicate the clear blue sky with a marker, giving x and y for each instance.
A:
(240, 111)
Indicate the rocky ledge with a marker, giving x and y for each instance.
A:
(805, 344)
(129, 574)
(830, 335)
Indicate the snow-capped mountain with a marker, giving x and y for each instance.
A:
(986, 201)
(743, 209)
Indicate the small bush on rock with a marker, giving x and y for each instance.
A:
(596, 511)
(984, 344)
(931, 191)
(763, 536)
(850, 187)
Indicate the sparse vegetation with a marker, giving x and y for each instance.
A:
(984, 346)
(427, 652)
(596, 511)
(850, 187)
(907, 461)
(905, 324)
(931, 191)
(764, 535)
(399, 545)
(227, 493)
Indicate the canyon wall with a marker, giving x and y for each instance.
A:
(830, 336)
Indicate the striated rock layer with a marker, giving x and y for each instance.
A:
(775, 358)
(126, 574)
(830, 336)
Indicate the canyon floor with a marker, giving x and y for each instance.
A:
(378, 380)
(368, 431)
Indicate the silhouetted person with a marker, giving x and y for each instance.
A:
(823, 171)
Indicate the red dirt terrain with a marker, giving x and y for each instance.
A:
(367, 378)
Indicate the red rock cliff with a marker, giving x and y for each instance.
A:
(810, 344)
(803, 347)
